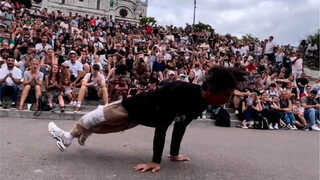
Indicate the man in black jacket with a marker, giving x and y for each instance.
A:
(187, 101)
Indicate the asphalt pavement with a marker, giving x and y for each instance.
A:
(28, 153)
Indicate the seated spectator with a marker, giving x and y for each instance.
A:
(311, 111)
(250, 67)
(32, 83)
(47, 61)
(93, 86)
(43, 47)
(270, 110)
(239, 95)
(75, 68)
(10, 77)
(53, 87)
(121, 89)
(273, 91)
(25, 59)
(252, 88)
(306, 92)
(250, 108)
(192, 78)
(286, 113)
(68, 91)
(302, 82)
(298, 112)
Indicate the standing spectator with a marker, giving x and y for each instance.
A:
(297, 65)
(269, 49)
(312, 50)
(10, 79)
(311, 107)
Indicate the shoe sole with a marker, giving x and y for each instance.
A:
(59, 142)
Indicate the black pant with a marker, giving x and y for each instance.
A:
(272, 115)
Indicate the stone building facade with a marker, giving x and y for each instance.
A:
(124, 10)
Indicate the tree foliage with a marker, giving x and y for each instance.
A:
(201, 26)
(147, 21)
(248, 38)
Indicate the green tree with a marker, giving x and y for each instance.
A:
(147, 21)
(248, 38)
(201, 26)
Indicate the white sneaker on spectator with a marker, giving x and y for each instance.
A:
(244, 126)
(71, 103)
(276, 127)
(315, 128)
(270, 126)
(294, 127)
(236, 112)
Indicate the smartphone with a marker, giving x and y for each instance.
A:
(250, 102)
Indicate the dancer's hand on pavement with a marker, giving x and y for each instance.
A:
(154, 167)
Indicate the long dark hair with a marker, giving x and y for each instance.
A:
(57, 75)
(221, 78)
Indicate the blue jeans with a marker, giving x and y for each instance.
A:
(13, 89)
(290, 119)
(311, 114)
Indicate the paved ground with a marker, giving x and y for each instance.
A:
(28, 152)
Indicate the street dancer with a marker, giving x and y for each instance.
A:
(156, 109)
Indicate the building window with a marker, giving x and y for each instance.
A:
(123, 13)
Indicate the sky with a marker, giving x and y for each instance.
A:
(289, 21)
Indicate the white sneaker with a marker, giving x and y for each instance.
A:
(204, 116)
(58, 134)
(294, 127)
(236, 112)
(315, 128)
(270, 126)
(276, 127)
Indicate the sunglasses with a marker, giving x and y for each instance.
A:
(96, 69)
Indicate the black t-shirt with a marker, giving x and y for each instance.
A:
(159, 108)
(302, 81)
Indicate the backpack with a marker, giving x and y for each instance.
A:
(260, 122)
(43, 105)
(223, 118)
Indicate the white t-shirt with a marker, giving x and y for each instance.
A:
(297, 66)
(269, 47)
(16, 73)
(75, 67)
(41, 48)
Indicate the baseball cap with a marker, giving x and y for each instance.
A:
(314, 92)
(182, 75)
(171, 72)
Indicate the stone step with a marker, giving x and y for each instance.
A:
(46, 115)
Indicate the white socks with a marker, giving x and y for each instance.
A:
(68, 137)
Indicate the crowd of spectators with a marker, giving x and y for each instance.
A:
(75, 57)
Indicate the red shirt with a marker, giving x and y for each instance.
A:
(251, 68)
(149, 29)
(92, 22)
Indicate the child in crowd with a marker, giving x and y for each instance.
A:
(298, 111)
(68, 90)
